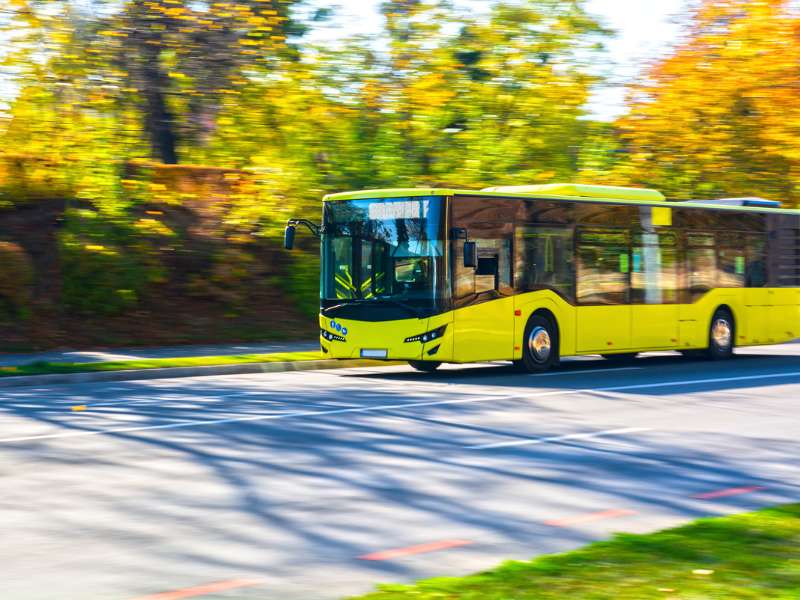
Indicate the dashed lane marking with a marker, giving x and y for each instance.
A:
(559, 438)
(204, 590)
(729, 492)
(590, 517)
(412, 550)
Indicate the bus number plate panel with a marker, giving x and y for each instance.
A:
(372, 353)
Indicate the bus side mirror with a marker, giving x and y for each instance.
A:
(470, 254)
(288, 237)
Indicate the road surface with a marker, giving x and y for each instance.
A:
(318, 485)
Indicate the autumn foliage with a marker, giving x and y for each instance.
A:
(721, 116)
(153, 149)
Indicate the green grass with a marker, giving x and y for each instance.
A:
(50, 368)
(751, 556)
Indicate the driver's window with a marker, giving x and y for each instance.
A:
(492, 276)
(487, 274)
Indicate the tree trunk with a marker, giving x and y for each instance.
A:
(159, 123)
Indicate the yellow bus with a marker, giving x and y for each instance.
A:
(531, 274)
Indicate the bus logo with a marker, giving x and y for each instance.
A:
(338, 327)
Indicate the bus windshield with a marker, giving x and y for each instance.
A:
(384, 251)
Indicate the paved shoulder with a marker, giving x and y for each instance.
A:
(115, 354)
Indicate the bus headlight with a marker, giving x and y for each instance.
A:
(331, 337)
(428, 336)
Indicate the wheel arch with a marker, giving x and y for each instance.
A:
(728, 307)
(555, 309)
(550, 316)
(531, 360)
(546, 313)
(716, 349)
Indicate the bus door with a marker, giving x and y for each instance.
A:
(603, 322)
(654, 290)
(756, 327)
(742, 264)
(484, 303)
(699, 279)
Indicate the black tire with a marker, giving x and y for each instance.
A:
(425, 366)
(539, 345)
(721, 335)
(620, 359)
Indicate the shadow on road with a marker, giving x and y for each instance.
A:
(678, 373)
(259, 496)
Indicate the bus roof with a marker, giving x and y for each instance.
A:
(561, 191)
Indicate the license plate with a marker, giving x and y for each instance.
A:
(365, 353)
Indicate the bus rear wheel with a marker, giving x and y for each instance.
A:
(721, 335)
(426, 366)
(539, 346)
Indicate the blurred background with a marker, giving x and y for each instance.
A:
(151, 150)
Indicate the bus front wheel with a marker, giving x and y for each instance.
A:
(539, 346)
(426, 366)
(721, 335)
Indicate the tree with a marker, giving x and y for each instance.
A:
(720, 116)
(173, 60)
(477, 99)
(519, 105)
(441, 96)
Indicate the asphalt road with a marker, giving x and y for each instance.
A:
(318, 485)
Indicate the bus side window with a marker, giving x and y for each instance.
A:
(732, 263)
(756, 261)
(603, 266)
(544, 259)
(702, 263)
(654, 273)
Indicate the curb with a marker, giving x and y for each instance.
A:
(182, 372)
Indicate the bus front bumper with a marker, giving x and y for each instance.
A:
(408, 339)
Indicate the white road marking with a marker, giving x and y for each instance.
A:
(402, 405)
(587, 371)
(425, 385)
(559, 438)
(245, 396)
(170, 403)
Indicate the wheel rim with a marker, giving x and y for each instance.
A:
(721, 333)
(539, 344)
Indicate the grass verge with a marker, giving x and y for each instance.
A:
(51, 368)
(748, 556)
